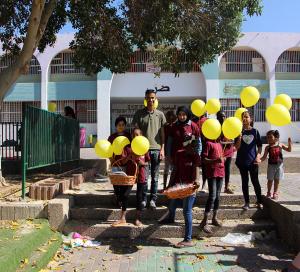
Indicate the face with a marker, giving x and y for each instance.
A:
(150, 98)
(120, 127)
(171, 118)
(246, 119)
(182, 116)
(136, 133)
(271, 139)
(221, 117)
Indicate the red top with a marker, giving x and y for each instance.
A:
(228, 149)
(213, 150)
(182, 132)
(275, 154)
(185, 166)
(111, 139)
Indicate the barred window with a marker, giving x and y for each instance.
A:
(295, 110)
(288, 62)
(230, 105)
(85, 110)
(63, 63)
(34, 66)
(242, 61)
(12, 111)
(141, 61)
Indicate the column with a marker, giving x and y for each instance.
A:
(104, 80)
(44, 87)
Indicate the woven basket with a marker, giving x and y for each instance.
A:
(180, 192)
(123, 180)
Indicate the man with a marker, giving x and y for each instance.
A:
(151, 122)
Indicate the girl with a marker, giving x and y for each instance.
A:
(214, 166)
(249, 147)
(228, 150)
(142, 163)
(275, 161)
(183, 144)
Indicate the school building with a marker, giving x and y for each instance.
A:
(268, 61)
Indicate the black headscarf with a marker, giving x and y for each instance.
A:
(187, 112)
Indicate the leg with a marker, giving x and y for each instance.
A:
(188, 203)
(117, 194)
(145, 187)
(139, 202)
(269, 186)
(166, 172)
(227, 176)
(255, 182)
(245, 185)
(203, 178)
(276, 185)
(215, 221)
(155, 162)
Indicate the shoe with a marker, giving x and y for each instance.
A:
(268, 195)
(275, 196)
(228, 191)
(183, 244)
(152, 205)
(259, 206)
(246, 207)
(143, 204)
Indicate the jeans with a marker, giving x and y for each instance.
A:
(214, 190)
(227, 171)
(253, 170)
(187, 204)
(140, 189)
(154, 172)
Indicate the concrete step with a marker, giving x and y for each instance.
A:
(105, 214)
(100, 230)
(107, 199)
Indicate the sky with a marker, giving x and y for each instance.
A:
(277, 16)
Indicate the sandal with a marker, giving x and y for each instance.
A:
(119, 223)
(183, 244)
(275, 196)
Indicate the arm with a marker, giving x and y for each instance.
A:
(197, 180)
(237, 143)
(265, 153)
(259, 147)
(289, 147)
(162, 149)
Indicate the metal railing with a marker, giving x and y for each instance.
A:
(288, 62)
(47, 139)
(10, 140)
(34, 66)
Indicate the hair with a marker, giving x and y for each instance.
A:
(150, 91)
(220, 112)
(273, 132)
(137, 129)
(69, 112)
(170, 114)
(120, 119)
(251, 117)
(186, 110)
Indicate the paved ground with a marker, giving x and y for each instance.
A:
(209, 255)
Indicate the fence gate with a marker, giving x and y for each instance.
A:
(47, 139)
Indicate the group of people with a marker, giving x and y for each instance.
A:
(180, 142)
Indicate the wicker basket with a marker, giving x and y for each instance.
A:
(180, 192)
(123, 180)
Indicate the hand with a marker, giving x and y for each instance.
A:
(289, 140)
(197, 183)
(257, 159)
(161, 154)
(220, 160)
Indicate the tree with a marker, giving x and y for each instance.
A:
(108, 31)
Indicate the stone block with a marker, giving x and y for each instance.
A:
(7, 212)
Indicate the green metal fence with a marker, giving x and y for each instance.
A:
(47, 139)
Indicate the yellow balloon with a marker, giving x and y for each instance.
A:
(211, 129)
(232, 127)
(213, 105)
(238, 113)
(119, 143)
(103, 149)
(198, 107)
(52, 107)
(140, 145)
(284, 100)
(278, 115)
(155, 103)
(249, 96)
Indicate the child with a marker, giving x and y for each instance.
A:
(142, 162)
(171, 118)
(249, 147)
(228, 150)
(275, 161)
(214, 166)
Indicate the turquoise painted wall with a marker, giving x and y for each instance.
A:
(289, 87)
(232, 88)
(72, 90)
(211, 70)
(24, 92)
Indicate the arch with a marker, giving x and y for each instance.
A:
(288, 61)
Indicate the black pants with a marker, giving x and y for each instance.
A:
(214, 191)
(227, 171)
(122, 192)
(140, 191)
(253, 170)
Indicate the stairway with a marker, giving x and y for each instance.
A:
(92, 215)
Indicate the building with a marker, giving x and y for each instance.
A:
(269, 61)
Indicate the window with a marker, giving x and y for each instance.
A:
(288, 62)
(62, 63)
(34, 67)
(295, 110)
(230, 105)
(242, 61)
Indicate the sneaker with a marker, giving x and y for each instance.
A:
(143, 204)
(152, 205)
(268, 195)
(246, 207)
